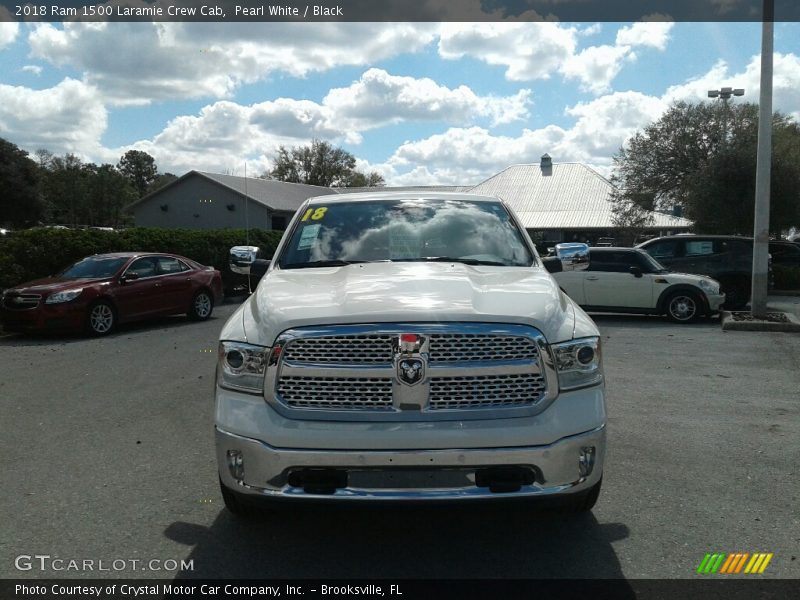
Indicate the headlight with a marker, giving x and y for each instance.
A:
(241, 366)
(578, 363)
(709, 287)
(64, 296)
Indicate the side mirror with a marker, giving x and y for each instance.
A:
(573, 256)
(129, 277)
(241, 259)
(635, 271)
(259, 267)
(552, 264)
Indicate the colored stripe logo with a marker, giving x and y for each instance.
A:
(734, 563)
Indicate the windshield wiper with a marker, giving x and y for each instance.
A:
(466, 261)
(322, 263)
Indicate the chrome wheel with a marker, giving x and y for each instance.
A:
(202, 305)
(101, 318)
(682, 308)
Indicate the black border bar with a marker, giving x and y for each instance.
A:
(708, 588)
(400, 10)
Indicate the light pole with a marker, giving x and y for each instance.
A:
(763, 167)
(725, 94)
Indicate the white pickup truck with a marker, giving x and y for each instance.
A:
(406, 347)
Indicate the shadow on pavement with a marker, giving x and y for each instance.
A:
(125, 329)
(487, 541)
(652, 322)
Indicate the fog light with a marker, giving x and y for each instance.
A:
(586, 461)
(236, 464)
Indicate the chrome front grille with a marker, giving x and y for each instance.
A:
(377, 349)
(21, 301)
(471, 347)
(471, 370)
(340, 393)
(359, 349)
(486, 391)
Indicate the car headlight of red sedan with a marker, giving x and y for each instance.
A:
(65, 296)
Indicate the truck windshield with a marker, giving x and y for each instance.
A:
(413, 230)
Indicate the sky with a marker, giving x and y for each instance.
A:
(420, 103)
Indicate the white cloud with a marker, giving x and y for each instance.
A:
(35, 69)
(65, 118)
(529, 51)
(8, 30)
(379, 98)
(596, 67)
(532, 51)
(224, 133)
(137, 63)
(785, 83)
(653, 34)
(461, 156)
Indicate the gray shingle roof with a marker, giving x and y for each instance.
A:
(572, 196)
(277, 195)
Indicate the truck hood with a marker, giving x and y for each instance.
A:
(404, 292)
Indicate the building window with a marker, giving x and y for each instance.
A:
(278, 223)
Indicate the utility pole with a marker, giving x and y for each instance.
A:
(763, 166)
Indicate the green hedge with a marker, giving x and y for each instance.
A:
(34, 253)
(786, 278)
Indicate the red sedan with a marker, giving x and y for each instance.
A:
(96, 293)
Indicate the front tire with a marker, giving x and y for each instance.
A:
(684, 307)
(100, 319)
(202, 306)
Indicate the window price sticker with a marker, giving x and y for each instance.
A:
(308, 236)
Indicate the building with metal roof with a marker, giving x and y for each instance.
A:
(564, 201)
(555, 201)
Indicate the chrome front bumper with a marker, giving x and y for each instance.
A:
(396, 474)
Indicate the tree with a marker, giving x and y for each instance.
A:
(21, 200)
(702, 157)
(140, 168)
(320, 164)
(65, 189)
(371, 179)
(108, 193)
(160, 181)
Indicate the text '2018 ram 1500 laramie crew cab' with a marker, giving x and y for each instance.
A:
(407, 347)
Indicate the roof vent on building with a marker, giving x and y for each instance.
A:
(547, 164)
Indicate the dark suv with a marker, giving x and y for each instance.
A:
(728, 259)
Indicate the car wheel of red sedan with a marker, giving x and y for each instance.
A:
(101, 318)
(202, 305)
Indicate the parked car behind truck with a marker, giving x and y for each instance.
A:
(408, 347)
(630, 280)
(728, 259)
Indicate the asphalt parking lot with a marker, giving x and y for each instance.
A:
(106, 449)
